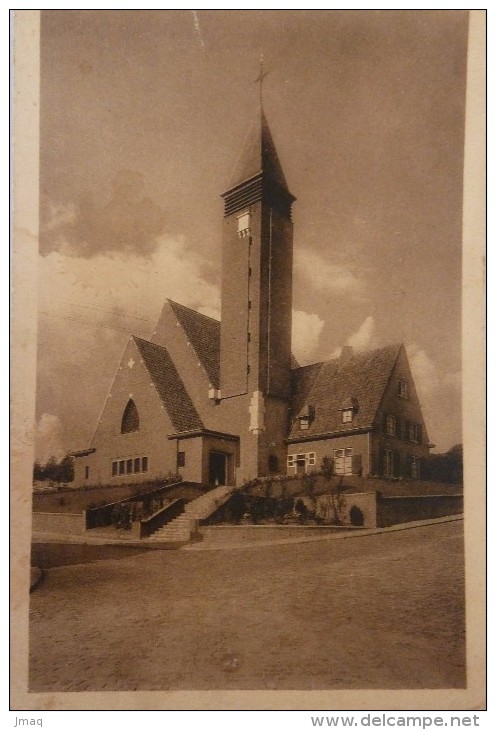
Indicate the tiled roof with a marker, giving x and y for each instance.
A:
(327, 385)
(169, 385)
(204, 335)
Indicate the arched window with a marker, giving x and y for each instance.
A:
(130, 418)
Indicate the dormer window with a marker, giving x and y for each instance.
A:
(348, 415)
(305, 417)
(349, 408)
(402, 389)
(244, 224)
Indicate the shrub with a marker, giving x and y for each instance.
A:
(327, 467)
(356, 516)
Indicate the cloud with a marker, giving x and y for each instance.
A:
(131, 288)
(306, 332)
(329, 276)
(89, 307)
(49, 438)
(363, 339)
(424, 371)
(130, 222)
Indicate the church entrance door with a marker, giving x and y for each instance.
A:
(217, 468)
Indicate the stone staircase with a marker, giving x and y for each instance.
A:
(181, 528)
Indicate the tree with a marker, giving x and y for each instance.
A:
(327, 467)
(38, 472)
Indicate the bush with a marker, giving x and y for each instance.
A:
(327, 467)
(356, 516)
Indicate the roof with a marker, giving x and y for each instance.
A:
(258, 155)
(327, 385)
(169, 386)
(203, 333)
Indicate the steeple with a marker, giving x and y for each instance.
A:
(258, 174)
(258, 157)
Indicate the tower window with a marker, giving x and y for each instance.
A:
(244, 224)
(130, 418)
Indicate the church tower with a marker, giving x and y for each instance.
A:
(257, 262)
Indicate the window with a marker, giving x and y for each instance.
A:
(343, 461)
(86, 472)
(390, 425)
(137, 466)
(348, 415)
(129, 466)
(415, 433)
(306, 416)
(130, 418)
(114, 468)
(415, 467)
(144, 463)
(181, 458)
(402, 389)
(122, 467)
(244, 224)
(300, 462)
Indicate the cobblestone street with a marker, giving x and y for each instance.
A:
(380, 611)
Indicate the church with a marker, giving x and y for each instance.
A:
(224, 402)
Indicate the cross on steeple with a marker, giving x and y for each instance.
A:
(260, 78)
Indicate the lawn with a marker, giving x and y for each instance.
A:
(383, 611)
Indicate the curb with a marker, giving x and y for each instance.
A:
(334, 536)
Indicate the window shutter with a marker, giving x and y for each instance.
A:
(356, 462)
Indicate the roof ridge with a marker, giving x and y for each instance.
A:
(190, 309)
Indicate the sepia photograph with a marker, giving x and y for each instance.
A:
(247, 453)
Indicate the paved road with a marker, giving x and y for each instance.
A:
(384, 611)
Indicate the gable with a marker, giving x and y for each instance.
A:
(405, 407)
(131, 384)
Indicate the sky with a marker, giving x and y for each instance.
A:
(143, 116)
